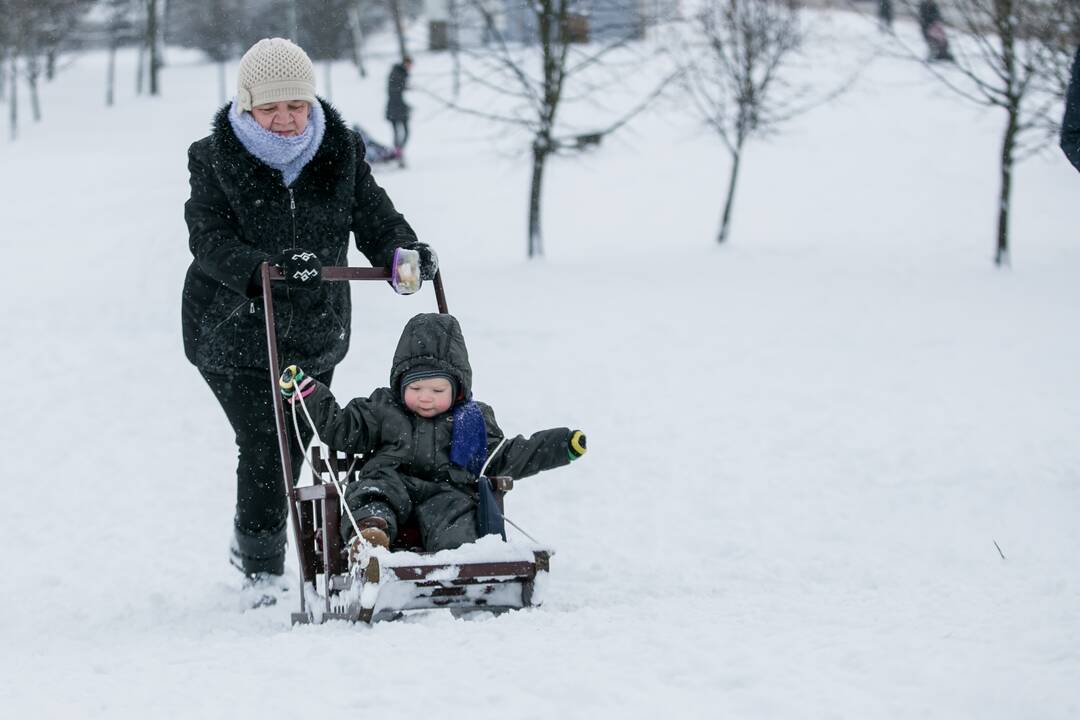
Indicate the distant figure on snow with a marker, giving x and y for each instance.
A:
(932, 25)
(885, 15)
(377, 153)
(1070, 125)
(397, 111)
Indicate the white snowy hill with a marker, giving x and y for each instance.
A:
(803, 446)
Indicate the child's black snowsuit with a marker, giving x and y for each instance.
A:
(407, 469)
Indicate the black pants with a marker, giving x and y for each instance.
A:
(444, 513)
(262, 512)
(401, 132)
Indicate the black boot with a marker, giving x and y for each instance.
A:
(259, 553)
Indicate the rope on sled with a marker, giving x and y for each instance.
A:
(332, 472)
(491, 456)
(484, 470)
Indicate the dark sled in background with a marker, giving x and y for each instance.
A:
(376, 584)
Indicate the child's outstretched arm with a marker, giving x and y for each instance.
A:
(521, 457)
(354, 428)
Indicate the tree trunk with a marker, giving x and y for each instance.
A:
(223, 91)
(152, 42)
(328, 89)
(13, 83)
(3, 76)
(729, 202)
(455, 55)
(1008, 146)
(356, 16)
(33, 72)
(110, 76)
(292, 22)
(395, 12)
(163, 27)
(140, 64)
(540, 154)
(50, 64)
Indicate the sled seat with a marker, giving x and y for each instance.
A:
(488, 575)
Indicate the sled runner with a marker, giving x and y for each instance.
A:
(370, 583)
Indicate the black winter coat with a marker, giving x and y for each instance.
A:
(240, 214)
(396, 109)
(929, 13)
(389, 435)
(1070, 125)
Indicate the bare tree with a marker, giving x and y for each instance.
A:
(7, 43)
(149, 63)
(734, 76)
(292, 20)
(32, 29)
(1061, 44)
(153, 44)
(325, 34)
(13, 103)
(453, 39)
(120, 30)
(10, 59)
(1002, 59)
(214, 27)
(535, 60)
(356, 25)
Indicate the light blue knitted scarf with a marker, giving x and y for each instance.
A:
(287, 154)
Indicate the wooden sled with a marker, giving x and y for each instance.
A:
(381, 585)
(377, 584)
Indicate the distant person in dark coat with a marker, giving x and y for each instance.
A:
(932, 25)
(1070, 125)
(929, 13)
(280, 178)
(397, 111)
(425, 440)
(885, 15)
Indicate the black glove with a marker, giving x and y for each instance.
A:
(429, 261)
(301, 268)
(575, 445)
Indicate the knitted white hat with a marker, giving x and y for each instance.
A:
(272, 70)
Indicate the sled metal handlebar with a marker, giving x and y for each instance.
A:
(336, 273)
(270, 274)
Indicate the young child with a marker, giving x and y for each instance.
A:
(424, 440)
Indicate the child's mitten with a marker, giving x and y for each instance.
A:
(575, 445)
(289, 380)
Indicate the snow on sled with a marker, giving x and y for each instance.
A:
(368, 583)
(376, 584)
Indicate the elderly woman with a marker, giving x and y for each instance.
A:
(280, 178)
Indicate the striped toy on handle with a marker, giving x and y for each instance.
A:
(292, 379)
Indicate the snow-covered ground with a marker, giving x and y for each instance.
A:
(803, 446)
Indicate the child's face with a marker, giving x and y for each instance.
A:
(429, 397)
